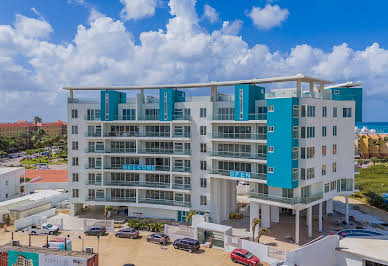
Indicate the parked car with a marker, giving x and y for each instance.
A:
(244, 257)
(96, 231)
(162, 239)
(45, 228)
(128, 233)
(186, 244)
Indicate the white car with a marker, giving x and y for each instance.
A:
(45, 228)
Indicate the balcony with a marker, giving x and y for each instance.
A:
(92, 166)
(164, 151)
(247, 136)
(92, 117)
(110, 150)
(95, 183)
(124, 117)
(124, 167)
(181, 186)
(261, 176)
(136, 184)
(290, 201)
(261, 116)
(93, 134)
(181, 169)
(244, 155)
(149, 117)
(232, 118)
(181, 117)
(165, 202)
(181, 135)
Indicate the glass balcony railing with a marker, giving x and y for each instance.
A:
(222, 117)
(181, 186)
(291, 201)
(121, 134)
(165, 202)
(181, 135)
(95, 183)
(93, 198)
(261, 176)
(244, 155)
(122, 167)
(92, 134)
(110, 150)
(164, 151)
(92, 117)
(149, 117)
(127, 199)
(254, 136)
(92, 166)
(136, 184)
(311, 198)
(124, 117)
(257, 116)
(181, 169)
(181, 117)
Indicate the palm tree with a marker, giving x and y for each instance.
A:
(190, 216)
(255, 222)
(37, 120)
(262, 231)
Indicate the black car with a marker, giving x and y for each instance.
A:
(158, 238)
(188, 244)
(96, 231)
(127, 232)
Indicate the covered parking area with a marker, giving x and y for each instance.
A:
(215, 233)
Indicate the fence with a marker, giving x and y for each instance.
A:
(179, 231)
(109, 224)
(232, 243)
(36, 219)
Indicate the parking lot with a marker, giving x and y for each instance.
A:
(115, 251)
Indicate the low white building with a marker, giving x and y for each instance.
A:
(10, 182)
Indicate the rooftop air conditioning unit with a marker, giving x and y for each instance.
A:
(89, 250)
(15, 243)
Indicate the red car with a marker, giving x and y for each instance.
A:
(244, 257)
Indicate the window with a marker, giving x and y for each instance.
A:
(203, 165)
(165, 106)
(333, 185)
(203, 112)
(75, 177)
(6, 182)
(74, 130)
(75, 161)
(295, 132)
(75, 193)
(347, 112)
(203, 182)
(334, 167)
(74, 145)
(271, 149)
(334, 130)
(241, 103)
(271, 108)
(202, 130)
(6, 196)
(324, 111)
(303, 111)
(324, 131)
(270, 170)
(203, 200)
(270, 129)
(323, 169)
(295, 153)
(323, 150)
(203, 147)
(295, 111)
(310, 132)
(334, 149)
(334, 111)
(302, 174)
(310, 173)
(303, 153)
(74, 113)
(310, 152)
(336, 92)
(287, 193)
(327, 187)
(310, 111)
(303, 132)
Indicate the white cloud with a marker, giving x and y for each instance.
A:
(268, 17)
(232, 28)
(103, 52)
(210, 13)
(136, 9)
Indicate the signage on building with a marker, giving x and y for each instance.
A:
(240, 174)
(24, 258)
(139, 167)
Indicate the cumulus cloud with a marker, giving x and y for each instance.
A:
(136, 9)
(104, 52)
(210, 13)
(268, 17)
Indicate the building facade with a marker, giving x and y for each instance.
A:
(10, 182)
(163, 156)
(57, 128)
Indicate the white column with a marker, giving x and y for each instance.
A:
(275, 214)
(253, 213)
(234, 196)
(225, 197)
(297, 226)
(219, 200)
(347, 209)
(298, 88)
(310, 221)
(329, 206)
(265, 215)
(320, 217)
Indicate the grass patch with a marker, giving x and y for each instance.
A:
(34, 161)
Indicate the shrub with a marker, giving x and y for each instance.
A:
(376, 200)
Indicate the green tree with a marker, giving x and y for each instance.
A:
(37, 120)
(190, 216)
(374, 160)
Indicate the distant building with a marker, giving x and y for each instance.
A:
(368, 146)
(45, 179)
(57, 128)
(10, 182)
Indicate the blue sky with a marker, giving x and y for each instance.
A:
(45, 45)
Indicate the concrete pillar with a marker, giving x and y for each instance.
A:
(312, 92)
(265, 215)
(275, 214)
(320, 217)
(310, 221)
(234, 196)
(297, 226)
(347, 209)
(298, 88)
(225, 201)
(329, 206)
(71, 94)
(214, 93)
(219, 200)
(253, 213)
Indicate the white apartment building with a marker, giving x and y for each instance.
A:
(160, 157)
(10, 182)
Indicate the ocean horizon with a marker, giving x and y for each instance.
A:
(380, 127)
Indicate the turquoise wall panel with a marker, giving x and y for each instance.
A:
(250, 93)
(349, 94)
(114, 99)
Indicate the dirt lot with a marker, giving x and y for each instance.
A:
(116, 252)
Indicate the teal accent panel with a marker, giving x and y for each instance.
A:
(281, 139)
(179, 216)
(250, 94)
(172, 96)
(114, 99)
(27, 257)
(349, 94)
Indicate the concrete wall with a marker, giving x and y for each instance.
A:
(36, 219)
(31, 187)
(348, 259)
(10, 183)
(320, 253)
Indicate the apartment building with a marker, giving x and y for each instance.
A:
(57, 128)
(161, 156)
(10, 182)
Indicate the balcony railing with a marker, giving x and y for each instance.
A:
(149, 117)
(181, 186)
(231, 117)
(136, 184)
(124, 117)
(257, 116)
(92, 198)
(261, 176)
(129, 199)
(181, 117)
(95, 183)
(291, 201)
(92, 118)
(92, 166)
(165, 202)
(164, 151)
(92, 134)
(181, 135)
(120, 167)
(254, 136)
(181, 169)
(110, 150)
(245, 155)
